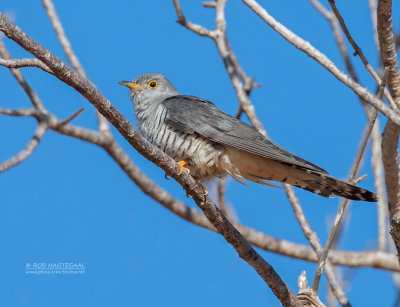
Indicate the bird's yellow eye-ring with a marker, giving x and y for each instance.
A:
(152, 84)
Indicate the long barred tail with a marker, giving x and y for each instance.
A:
(328, 186)
(260, 169)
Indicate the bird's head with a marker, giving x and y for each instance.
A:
(149, 89)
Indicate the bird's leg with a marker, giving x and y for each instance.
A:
(202, 186)
(182, 164)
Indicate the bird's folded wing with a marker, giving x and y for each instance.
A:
(192, 114)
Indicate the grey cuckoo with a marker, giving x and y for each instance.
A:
(208, 142)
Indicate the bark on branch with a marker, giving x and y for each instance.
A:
(390, 139)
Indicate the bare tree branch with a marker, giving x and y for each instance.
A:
(25, 63)
(18, 75)
(312, 237)
(231, 64)
(20, 112)
(202, 31)
(306, 47)
(343, 204)
(340, 42)
(377, 169)
(372, 8)
(69, 52)
(390, 139)
(375, 135)
(73, 116)
(358, 51)
(27, 151)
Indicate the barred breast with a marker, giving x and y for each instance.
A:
(207, 158)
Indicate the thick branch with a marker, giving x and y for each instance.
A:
(390, 139)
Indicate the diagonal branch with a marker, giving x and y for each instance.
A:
(322, 59)
(69, 52)
(312, 237)
(18, 75)
(27, 151)
(358, 51)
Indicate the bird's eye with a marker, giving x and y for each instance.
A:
(152, 84)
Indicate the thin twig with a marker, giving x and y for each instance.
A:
(19, 112)
(376, 141)
(62, 37)
(28, 150)
(372, 9)
(200, 30)
(377, 169)
(353, 172)
(25, 63)
(69, 52)
(359, 179)
(221, 196)
(18, 75)
(210, 4)
(358, 51)
(71, 117)
(232, 66)
(312, 237)
(340, 42)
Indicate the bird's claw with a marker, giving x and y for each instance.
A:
(204, 189)
(166, 176)
(202, 186)
(188, 195)
(182, 164)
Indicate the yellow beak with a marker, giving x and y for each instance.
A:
(130, 84)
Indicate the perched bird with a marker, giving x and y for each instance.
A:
(208, 142)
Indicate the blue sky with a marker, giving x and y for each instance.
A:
(70, 202)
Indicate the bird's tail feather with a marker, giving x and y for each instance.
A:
(259, 169)
(328, 186)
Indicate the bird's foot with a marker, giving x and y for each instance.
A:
(166, 176)
(182, 164)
